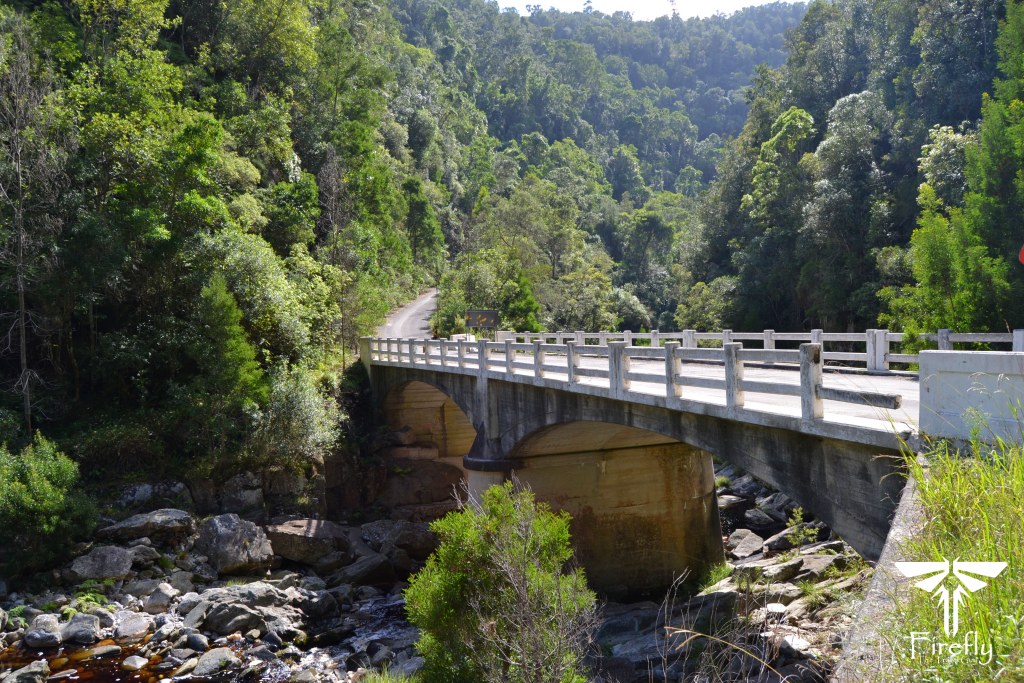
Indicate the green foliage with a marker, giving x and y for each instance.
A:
(495, 601)
(41, 511)
(717, 573)
(971, 500)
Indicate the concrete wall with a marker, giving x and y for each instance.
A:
(641, 516)
(965, 392)
(844, 483)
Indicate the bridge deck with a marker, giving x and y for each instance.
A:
(761, 387)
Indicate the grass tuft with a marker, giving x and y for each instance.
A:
(973, 510)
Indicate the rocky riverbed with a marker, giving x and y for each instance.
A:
(163, 595)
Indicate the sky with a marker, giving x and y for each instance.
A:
(642, 10)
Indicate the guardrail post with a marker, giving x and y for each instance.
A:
(673, 367)
(1018, 341)
(811, 405)
(655, 339)
(726, 337)
(462, 353)
(944, 343)
(618, 368)
(882, 350)
(689, 340)
(444, 356)
(580, 339)
(627, 337)
(870, 340)
(509, 358)
(603, 338)
(538, 359)
(816, 336)
(365, 352)
(733, 375)
(769, 340)
(572, 361)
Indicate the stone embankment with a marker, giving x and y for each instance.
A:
(162, 595)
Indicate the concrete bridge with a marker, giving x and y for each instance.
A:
(620, 429)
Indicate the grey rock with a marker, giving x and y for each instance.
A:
(242, 494)
(370, 569)
(104, 651)
(783, 571)
(234, 545)
(131, 625)
(785, 539)
(144, 555)
(186, 668)
(106, 562)
(726, 501)
(187, 603)
(36, 672)
(197, 614)
(44, 632)
(160, 600)
(757, 519)
(226, 618)
(307, 540)
(83, 629)
(743, 543)
(182, 581)
(168, 526)
(333, 562)
(3, 619)
(134, 663)
(141, 588)
(106, 619)
(415, 538)
(213, 661)
(815, 566)
(198, 642)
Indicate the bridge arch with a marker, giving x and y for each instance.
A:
(427, 415)
(643, 505)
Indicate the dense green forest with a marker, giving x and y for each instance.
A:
(205, 204)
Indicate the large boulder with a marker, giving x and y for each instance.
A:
(215, 660)
(44, 632)
(36, 672)
(307, 540)
(167, 526)
(82, 629)
(105, 562)
(131, 626)
(241, 608)
(369, 570)
(234, 545)
(415, 538)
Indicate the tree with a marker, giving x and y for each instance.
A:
(423, 228)
(32, 176)
(496, 601)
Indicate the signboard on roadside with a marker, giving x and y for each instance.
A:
(481, 319)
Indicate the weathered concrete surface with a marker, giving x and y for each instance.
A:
(431, 416)
(641, 516)
(868, 653)
(842, 481)
(972, 393)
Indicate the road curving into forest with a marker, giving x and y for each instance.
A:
(411, 321)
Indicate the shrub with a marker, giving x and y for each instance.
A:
(40, 509)
(496, 602)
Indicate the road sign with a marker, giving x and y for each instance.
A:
(482, 318)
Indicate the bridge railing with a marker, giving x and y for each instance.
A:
(878, 345)
(619, 368)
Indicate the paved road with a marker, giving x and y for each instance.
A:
(412, 321)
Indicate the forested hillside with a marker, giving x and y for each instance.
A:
(204, 204)
(877, 178)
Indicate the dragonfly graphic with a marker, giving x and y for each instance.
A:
(962, 571)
